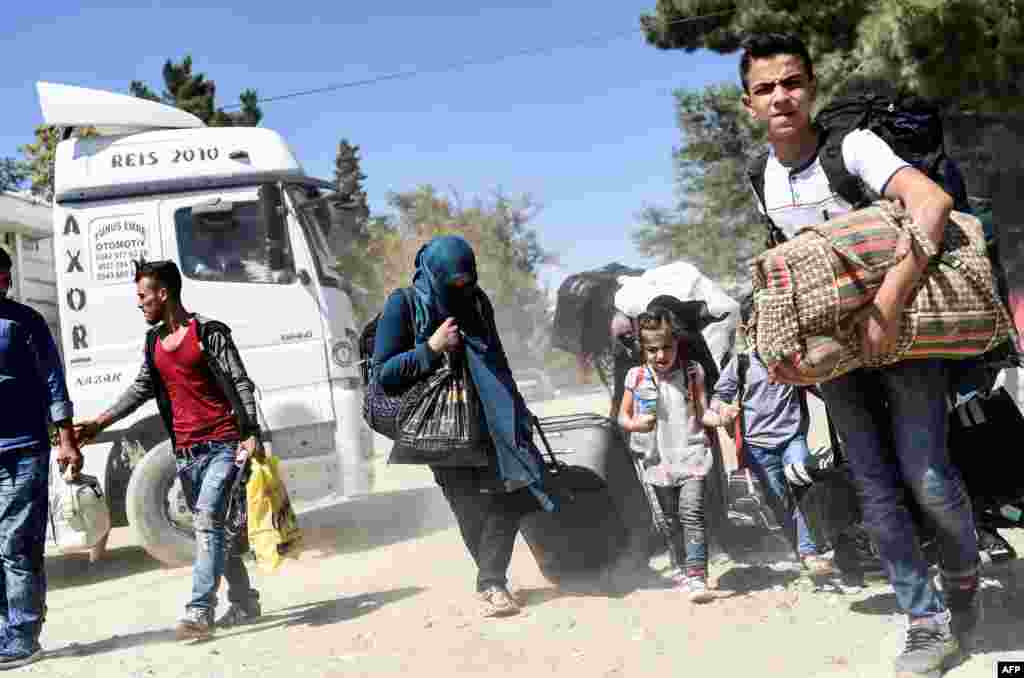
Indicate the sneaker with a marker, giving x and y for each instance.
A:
(196, 624)
(696, 587)
(817, 566)
(13, 661)
(239, 614)
(964, 605)
(497, 602)
(930, 649)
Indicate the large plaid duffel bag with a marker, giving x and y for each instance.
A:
(808, 292)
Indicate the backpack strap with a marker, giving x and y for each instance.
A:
(755, 175)
(691, 387)
(409, 297)
(742, 365)
(847, 185)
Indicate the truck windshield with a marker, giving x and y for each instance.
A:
(324, 220)
(232, 251)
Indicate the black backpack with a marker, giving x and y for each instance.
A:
(912, 127)
(584, 309)
(380, 410)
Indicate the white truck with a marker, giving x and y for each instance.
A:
(233, 207)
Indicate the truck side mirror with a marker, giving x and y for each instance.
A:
(272, 209)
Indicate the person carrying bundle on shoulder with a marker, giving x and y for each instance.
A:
(893, 419)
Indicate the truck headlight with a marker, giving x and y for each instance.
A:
(342, 353)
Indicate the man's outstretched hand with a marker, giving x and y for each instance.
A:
(250, 448)
(69, 457)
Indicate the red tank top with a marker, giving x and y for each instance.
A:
(201, 412)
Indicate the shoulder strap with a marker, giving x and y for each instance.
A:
(755, 175)
(742, 365)
(847, 185)
(691, 386)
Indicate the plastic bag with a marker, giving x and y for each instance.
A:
(439, 422)
(79, 515)
(274, 532)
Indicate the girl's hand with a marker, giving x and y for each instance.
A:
(644, 423)
(728, 413)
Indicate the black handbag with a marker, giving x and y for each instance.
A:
(380, 409)
(440, 420)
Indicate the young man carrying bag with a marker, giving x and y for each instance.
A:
(893, 419)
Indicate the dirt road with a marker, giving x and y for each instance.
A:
(385, 588)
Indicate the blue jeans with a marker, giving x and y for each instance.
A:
(683, 508)
(893, 422)
(24, 486)
(768, 465)
(207, 479)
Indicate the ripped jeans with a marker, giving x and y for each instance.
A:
(893, 423)
(207, 477)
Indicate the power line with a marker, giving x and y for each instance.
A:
(483, 61)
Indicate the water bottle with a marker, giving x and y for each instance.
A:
(646, 397)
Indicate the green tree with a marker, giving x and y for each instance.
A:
(350, 235)
(715, 223)
(967, 53)
(13, 173)
(194, 93)
(183, 89)
(40, 156)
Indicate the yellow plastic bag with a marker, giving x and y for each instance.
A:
(274, 532)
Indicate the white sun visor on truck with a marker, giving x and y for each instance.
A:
(146, 148)
(108, 112)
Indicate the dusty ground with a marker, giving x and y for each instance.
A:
(385, 589)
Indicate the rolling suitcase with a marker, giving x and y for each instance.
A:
(604, 522)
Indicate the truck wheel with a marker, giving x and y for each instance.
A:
(157, 510)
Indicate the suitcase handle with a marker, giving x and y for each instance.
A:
(547, 446)
(574, 418)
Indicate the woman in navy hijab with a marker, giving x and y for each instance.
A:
(447, 311)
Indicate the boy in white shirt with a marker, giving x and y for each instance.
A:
(893, 419)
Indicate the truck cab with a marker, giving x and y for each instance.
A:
(249, 231)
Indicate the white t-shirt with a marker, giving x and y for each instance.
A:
(801, 196)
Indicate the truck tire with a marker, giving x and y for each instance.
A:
(146, 503)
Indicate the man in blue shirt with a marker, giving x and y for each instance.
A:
(33, 393)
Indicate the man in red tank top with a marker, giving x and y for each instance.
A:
(205, 398)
